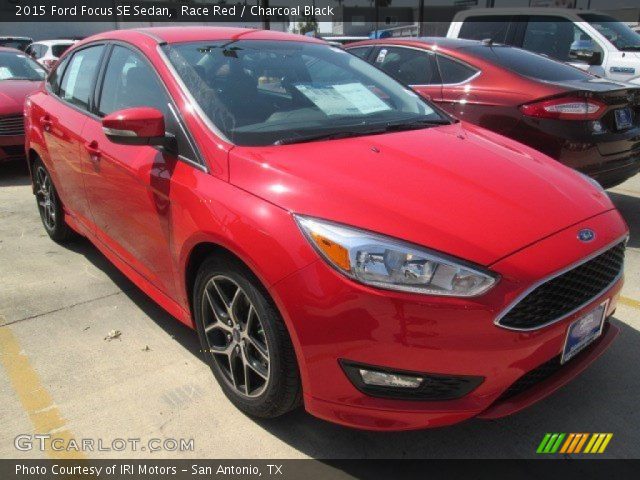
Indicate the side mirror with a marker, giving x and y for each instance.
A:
(137, 126)
(583, 51)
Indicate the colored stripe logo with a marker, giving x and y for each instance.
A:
(572, 443)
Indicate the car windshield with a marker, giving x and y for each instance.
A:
(619, 34)
(528, 64)
(16, 66)
(273, 92)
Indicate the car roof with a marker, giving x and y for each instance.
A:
(472, 12)
(200, 34)
(62, 41)
(426, 42)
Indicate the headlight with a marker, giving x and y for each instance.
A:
(388, 263)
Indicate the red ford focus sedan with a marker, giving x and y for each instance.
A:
(334, 239)
(586, 122)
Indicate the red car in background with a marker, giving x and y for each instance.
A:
(19, 76)
(335, 240)
(586, 122)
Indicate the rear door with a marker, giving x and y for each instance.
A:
(129, 187)
(411, 66)
(65, 111)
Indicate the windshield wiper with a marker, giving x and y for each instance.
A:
(390, 127)
(417, 124)
(320, 136)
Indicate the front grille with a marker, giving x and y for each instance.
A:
(565, 293)
(12, 125)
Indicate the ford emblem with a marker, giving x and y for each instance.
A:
(586, 235)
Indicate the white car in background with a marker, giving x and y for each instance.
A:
(47, 52)
(588, 40)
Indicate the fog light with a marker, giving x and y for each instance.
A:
(383, 382)
(382, 379)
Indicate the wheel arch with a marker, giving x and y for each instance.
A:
(206, 248)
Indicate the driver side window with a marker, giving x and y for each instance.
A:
(130, 82)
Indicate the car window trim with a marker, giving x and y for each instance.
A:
(88, 112)
(198, 162)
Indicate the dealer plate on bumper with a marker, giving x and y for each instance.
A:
(583, 331)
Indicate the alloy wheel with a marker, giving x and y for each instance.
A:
(46, 198)
(235, 336)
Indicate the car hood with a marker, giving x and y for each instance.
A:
(13, 93)
(458, 189)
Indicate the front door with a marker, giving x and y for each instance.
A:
(128, 187)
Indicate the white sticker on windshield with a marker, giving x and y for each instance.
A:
(345, 99)
(364, 99)
(381, 55)
(5, 73)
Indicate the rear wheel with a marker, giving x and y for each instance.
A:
(49, 205)
(244, 339)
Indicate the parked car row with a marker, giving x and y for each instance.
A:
(336, 239)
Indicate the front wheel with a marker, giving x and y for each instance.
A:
(244, 339)
(49, 205)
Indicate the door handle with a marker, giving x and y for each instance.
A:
(94, 151)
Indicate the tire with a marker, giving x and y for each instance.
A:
(49, 205)
(237, 325)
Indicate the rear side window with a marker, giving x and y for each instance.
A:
(407, 65)
(452, 71)
(78, 78)
(130, 82)
(529, 64)
(58, 50)
(484, 27)
(360, 52)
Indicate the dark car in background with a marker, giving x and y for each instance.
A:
(19, 43)
(19, 76)
(586, 122)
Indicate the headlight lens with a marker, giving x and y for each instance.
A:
(388, 263)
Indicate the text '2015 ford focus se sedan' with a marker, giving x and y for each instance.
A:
(334, 239)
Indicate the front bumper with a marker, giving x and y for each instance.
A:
(333, 318)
